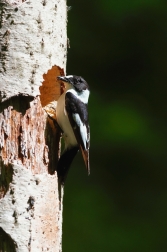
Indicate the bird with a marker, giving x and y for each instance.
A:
(72, 118)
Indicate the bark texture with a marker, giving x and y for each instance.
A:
(32, 54)
(32, 41)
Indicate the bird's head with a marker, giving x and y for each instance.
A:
(73, 81)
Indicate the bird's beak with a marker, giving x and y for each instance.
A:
(62, 78)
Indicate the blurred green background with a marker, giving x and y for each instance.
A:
(120, 48)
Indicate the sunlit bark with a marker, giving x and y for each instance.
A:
(32, 54)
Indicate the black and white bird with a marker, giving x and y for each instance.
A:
(72, 117)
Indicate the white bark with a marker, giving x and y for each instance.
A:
(33, 45)
(33, 226)
(33, 39)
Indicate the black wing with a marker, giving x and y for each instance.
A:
(78, 116)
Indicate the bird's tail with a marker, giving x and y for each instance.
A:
(85, 154)
(65, 162)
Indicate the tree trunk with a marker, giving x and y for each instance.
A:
(32, 54)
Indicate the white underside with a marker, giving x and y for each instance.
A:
(63, 121)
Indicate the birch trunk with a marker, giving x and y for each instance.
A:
(32, 54)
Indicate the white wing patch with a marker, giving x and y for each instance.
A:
(83, 129)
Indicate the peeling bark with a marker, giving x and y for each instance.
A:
(22, 139)
(32, 54)
(32, 218)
